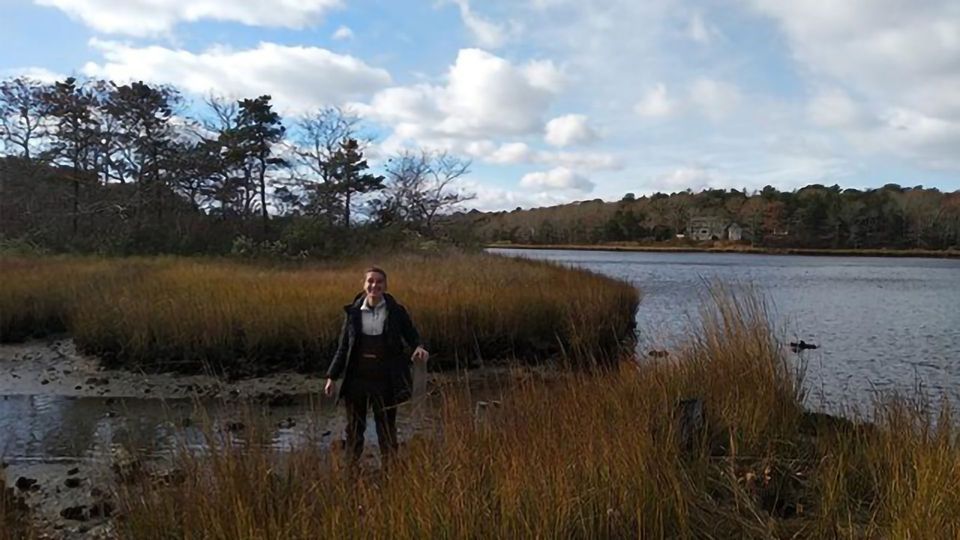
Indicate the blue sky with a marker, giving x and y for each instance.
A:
(559, 100)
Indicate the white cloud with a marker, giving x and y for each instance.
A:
(693, 177)
(656, 103)
(154, 17)
(40, 74)
(716, 99)
(485, 96)
(489, 198)
(516, 152)
(487, 34)
(557, 179)
(700, 31)
(568, 130)
(545, 75)
(298, 78)
(835, 109)
(902, 56)
(342, 33)
(594, 161)
(930, 139)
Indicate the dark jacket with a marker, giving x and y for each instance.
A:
(398, 330)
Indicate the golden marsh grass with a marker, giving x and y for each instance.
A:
(188, 314)
(599, 456)
(13, 519)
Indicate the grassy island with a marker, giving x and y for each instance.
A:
(193, 314)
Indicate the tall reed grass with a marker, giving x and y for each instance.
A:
(600, 456)
(13, 518)
(169, 313)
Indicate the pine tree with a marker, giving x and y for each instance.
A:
(347, 167)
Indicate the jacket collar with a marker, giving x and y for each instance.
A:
(359, 298)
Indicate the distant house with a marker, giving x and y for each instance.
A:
(734, 232)
(706, 228)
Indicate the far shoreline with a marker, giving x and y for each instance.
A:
(746, 250)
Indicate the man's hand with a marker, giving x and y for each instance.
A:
(420, 355)
(328, 388)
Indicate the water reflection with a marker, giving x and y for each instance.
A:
(50, 428)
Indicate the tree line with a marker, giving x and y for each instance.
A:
(815, 216)
(97, 165)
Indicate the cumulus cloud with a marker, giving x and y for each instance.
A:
(40, 74)
(298, 78)
(515, 152)
(484, 96)
(834, 108)
(485, 32)
(903, 57)
(716, 99)
(557, 179)
(568, 130)
(489, 198)
(656, 103)
(700, 31)
(693, 177)
(153, 17)
(342, 33)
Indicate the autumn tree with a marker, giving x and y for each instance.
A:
(317, 136)
(71, 108)
(420, 186)
(259, 130)
(348, 176)
(144, 131)
(24, 114)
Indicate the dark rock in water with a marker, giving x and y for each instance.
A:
(797, 346)
(73, 471)
(23, 483)
(13, 501)
(44, 382)
(97, 381)
(126, 466)
(169, 477)
(235, 426)
(691, 421)
(73, 482)
(75, 513)
(658, 353)
(101, 509)
(278, 400)
(817, 424)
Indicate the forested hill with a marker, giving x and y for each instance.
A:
(815, 216)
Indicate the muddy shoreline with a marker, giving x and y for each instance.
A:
(69, 428)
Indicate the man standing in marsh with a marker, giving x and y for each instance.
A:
(371, 359)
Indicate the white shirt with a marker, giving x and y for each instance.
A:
(372, 318)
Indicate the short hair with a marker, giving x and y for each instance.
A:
(376, 269)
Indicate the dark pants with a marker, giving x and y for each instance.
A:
(384, 414)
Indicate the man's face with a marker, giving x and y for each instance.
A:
(374, 284)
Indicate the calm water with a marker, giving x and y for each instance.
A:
(882, 324)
